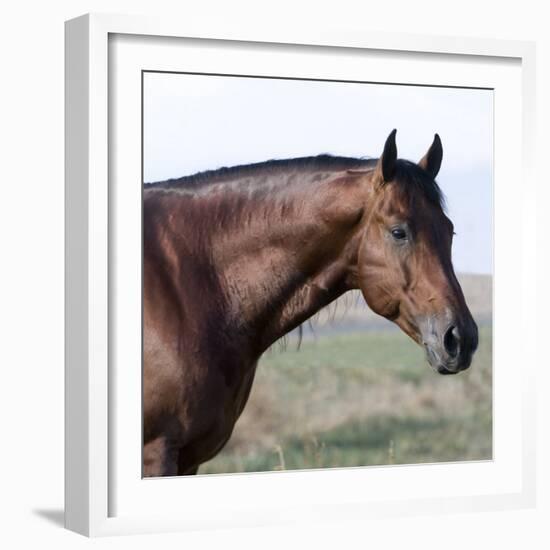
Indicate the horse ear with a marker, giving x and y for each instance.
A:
(431, 161)
(386, 164)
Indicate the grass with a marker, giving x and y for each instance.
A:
(359, 399)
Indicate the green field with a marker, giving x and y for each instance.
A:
(357, 399)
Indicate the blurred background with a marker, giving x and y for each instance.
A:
(359, 392)
(356, 391)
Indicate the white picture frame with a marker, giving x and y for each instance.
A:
(91, 228)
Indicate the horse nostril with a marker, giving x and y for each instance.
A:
(451, 341)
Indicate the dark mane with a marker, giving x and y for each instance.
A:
(411, 176)
(408, 174)
(319, 162)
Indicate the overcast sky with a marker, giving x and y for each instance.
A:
(194, 123)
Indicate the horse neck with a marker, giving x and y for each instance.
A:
(290, 257)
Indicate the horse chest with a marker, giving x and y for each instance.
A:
(221, 406)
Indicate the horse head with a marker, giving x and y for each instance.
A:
(404, 266)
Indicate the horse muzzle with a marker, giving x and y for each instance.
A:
(449, 344)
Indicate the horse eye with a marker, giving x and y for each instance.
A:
(399, 234)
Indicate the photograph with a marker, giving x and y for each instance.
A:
(317, 274)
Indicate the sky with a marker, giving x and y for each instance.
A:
(194, 123)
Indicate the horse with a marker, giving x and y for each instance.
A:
(235, 258)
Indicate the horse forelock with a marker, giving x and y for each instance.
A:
(414, 181)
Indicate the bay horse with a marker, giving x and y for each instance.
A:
(236, 258)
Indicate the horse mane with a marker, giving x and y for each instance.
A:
(408, 175)
(332, 313)
(273, 166)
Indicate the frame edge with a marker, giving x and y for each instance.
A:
(77, 78)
